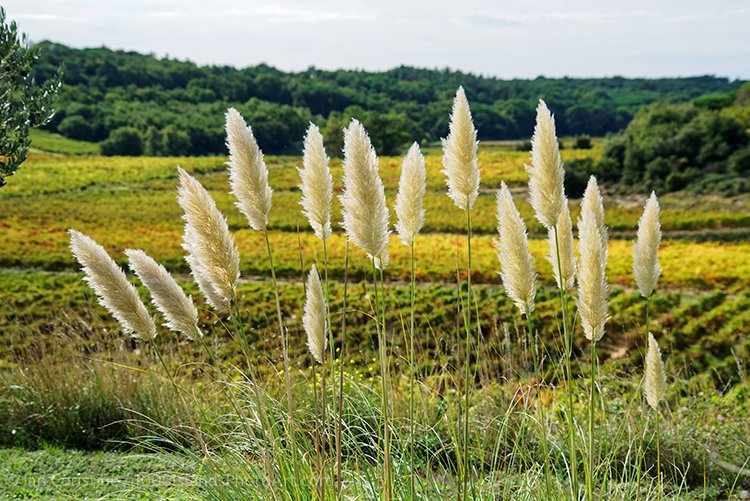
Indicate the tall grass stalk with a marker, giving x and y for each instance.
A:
(411, 378)
(287, 375)
(340, 416)
(654, 388)
(658, 456)
(590, 483)
(568, 375)
(539, 376)
(239, 327)
(467, 361)
(379, 325)
(329, 328)
(323, 427)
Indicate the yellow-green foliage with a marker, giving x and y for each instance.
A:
(55, 143)
(131, 202)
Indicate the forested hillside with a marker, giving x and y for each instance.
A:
(139, 104)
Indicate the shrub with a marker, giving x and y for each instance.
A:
(123, 141)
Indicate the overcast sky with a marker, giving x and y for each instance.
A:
(504, 38)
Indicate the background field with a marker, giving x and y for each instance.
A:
(702, 306)
(126, 202)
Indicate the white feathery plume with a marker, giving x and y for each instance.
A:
(410, 199)
(167, 296)
(646, 267)
(317, 184)
(516, 262)
(593, 202)
(656, 379)
(565, 243)
(460, 154)
(363, 201)
(216, 300)
(248, 173)
(111, 286)
(314, 318)
(592, 265)
(546, 174)
(212, 255)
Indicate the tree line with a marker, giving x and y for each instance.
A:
(140, 104)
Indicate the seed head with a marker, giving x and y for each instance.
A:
(314, 318)
(460, 154)
(516, 262)
(410, 199)
(656, 379)
(363, 201)
(565, 243)
(248, 173)
(212, 255)
(546, 174)
(111, 286)
(592, 264)
(167, 296)
(317, 184)
(646, 267)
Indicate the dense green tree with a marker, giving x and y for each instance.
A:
(123, 141)
(175, 141)
(24, 102)
(671, 147)
(388, 131)
(78, 127)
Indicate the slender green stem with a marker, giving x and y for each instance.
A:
(540, 408)
(164, 366)
(323, 427)
(386, 351)
(239, 328)
(532, 341)
(384, 389)
(287, 375)
(211, 356)
(658, 455)
(329, 328)
(318, 439)
(467, 360)
(648, 307)
(411, 380)
(341, 376)
(591, 422)
(328, 309)
(568, 371)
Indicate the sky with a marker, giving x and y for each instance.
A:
(507, 39)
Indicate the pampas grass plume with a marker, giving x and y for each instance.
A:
(363, 201)
(111, 286)
(248, 173)
(646, 267)
(460, 163)
(516, 262)
(565, 243)
(212, 254)
(592, 278)
(546, 174)
(317, 184)
(410, 199)
(167, 296)
(314, 318)
(593, 204)
(656, 379)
